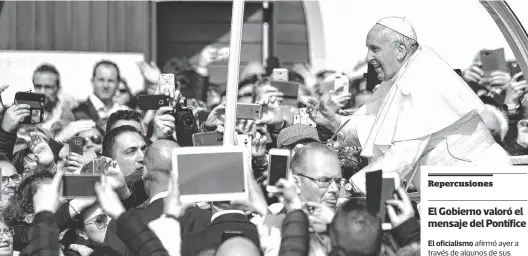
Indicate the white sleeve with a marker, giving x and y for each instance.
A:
(401, 158)
(168, 232)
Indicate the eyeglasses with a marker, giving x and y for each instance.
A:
(45, 87)
(7, 232)
(16, 178)
(99, 221)
(96, 139)
(325, 182)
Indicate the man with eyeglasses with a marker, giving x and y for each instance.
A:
(46, 80)
(10, 180)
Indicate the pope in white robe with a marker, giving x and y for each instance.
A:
(422, 114)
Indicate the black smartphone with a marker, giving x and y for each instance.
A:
(202, 116)
(153, 102)
(372, 78)
(77, 145)
(289, 89)
(230, 234)
(79, 186)
(36, 103)
(374, 187)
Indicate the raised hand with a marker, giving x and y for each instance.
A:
(399, 210)
(474, 73)
(108, 199)
(150, 71)
(74, 163)
(13, 116)
(40, 148)
(74, 128)
(48, 194)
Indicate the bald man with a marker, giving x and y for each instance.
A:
(422, 113)
(237, 246)
(156, 175)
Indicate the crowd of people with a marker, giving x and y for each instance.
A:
(319, 210)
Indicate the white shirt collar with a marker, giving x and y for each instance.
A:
(97, 103)
(158, 196)
(218, 214)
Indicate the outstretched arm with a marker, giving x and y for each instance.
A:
(401, 158)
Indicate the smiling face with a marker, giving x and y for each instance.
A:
(383, 54)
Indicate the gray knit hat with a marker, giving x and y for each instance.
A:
(296, 133)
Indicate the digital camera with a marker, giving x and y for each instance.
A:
(185, 123)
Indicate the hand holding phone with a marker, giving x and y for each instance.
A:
(278, 167)
(36, 102)
(400, 208)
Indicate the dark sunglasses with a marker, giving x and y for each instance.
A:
(96, 139)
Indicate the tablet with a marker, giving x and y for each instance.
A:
(211, 173)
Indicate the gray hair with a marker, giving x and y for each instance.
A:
(397, 38)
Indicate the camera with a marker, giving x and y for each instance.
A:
(185, 123)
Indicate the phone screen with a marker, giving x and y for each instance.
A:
(76, 145)
(79, 186)
(388, 185)
(278, 169)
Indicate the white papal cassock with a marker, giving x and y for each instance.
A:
(425, 115)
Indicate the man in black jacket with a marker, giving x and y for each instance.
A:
(158, 165)
(225, 219)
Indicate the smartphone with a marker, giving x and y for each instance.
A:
(374, 179)
(77, 145)
(208, 139)
(280, 74)
(389, 183)
(249, 111)
(226, 235)
(203, 115)
(166, 82)
(99, 166)
(493, 60)
(278, 167)
(342, 81)
(79, 186)
(514, 70)
(36, 103)
(372, 78)
(153, 102)
(305, 118)
(290, 90)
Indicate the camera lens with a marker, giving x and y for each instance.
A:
(187, 120)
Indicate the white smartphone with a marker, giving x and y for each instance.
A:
(305, 118)
(249, 111)
(278, 167)
(342, 81)
(166, 82)
(280, 74)
(389, 183)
